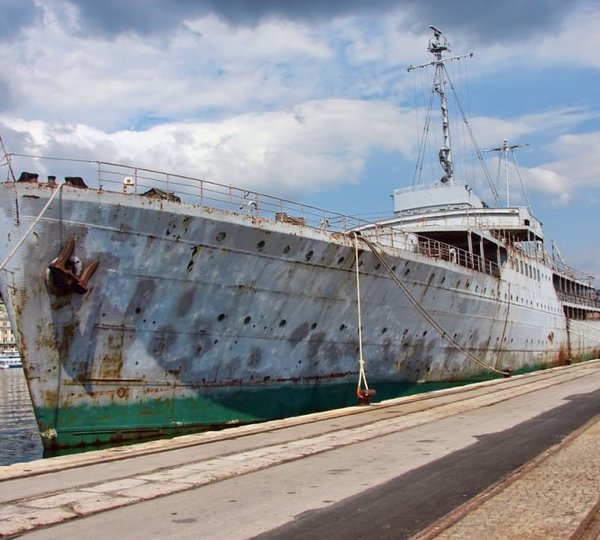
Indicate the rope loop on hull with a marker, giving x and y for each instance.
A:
(363, 392)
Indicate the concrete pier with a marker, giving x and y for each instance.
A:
(509, 458)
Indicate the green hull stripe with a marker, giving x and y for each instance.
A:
(80, 426)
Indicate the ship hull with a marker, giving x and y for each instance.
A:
(197, 317)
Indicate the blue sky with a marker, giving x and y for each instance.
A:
(312, 100)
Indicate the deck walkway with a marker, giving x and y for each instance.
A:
(510, 458)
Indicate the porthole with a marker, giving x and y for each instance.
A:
(286, 250)
(309, 255)
(221, 236)
(261, 244)
(282, 323)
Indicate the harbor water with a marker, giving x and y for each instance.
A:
(19, 436)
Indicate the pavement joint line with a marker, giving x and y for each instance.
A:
(102, 496)
(454, 517)
(49, 465)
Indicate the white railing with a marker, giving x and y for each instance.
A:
(588, 301)
(137, 180)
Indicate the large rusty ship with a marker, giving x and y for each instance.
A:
(148, 304)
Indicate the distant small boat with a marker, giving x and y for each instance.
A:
(10, 360)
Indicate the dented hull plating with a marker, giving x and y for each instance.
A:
(196, 317)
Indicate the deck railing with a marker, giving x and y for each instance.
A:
(587, 301)
(233, 199)
(136, 180)
(439, 250)
(566, 271)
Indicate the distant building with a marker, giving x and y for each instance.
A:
(7, 338)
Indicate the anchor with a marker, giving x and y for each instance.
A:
(67, 272)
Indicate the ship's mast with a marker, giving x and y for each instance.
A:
(504, 150)
(438, 44)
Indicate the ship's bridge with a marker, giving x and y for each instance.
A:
(455, 207)
(438, 196)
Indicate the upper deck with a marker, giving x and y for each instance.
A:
(455, 207)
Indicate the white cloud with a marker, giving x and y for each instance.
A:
(316, 145)
(63, 76)
(492, 130)
(546, 180)
(271, 39)
(222, 95)
(577, 43)
(578, 157)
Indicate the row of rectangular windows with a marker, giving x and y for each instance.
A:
(527, 269)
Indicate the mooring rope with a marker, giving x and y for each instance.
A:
(362, 375)
(35, 221)
(421, 309)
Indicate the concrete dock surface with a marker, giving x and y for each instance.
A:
(508, 458)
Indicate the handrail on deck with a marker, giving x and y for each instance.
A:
(138, 180)
(439, 250)
(587, 301)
